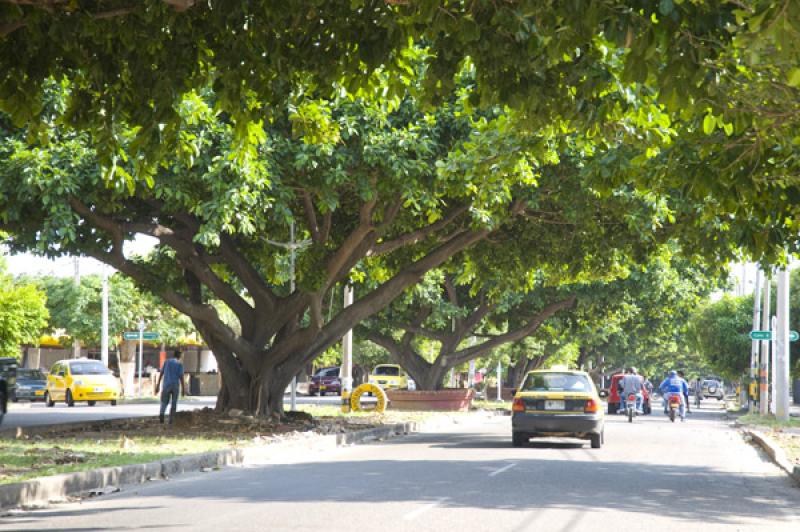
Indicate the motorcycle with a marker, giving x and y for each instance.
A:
(674, 406)
(630, 407)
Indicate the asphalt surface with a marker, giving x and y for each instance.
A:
(650, 475)
(25, 414)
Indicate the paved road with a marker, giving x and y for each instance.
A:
(650, 475)
(24, 414)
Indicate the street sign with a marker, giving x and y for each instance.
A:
(767, 335)
(134, 335)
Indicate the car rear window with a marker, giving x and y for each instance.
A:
(329, 372)
(88, 368)
(389, 371)
(30, 374)
(556, 382)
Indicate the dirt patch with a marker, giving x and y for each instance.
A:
(207, 424)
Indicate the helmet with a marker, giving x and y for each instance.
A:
(673, 373)
(633, 370)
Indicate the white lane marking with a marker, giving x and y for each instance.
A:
(502, 469)
(410, 516)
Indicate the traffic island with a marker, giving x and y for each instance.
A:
(56, 463)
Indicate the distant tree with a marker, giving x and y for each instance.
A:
(719, 332)
(77, 309)
(23, 313)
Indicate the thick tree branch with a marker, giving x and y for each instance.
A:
(354, 247)
(383, 295)
(418, 235)
(481, 349)
(311, 217)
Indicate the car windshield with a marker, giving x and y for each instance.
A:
(88, 368)
(546, 382)
(389, 371)
(30, 375)
(329, 372)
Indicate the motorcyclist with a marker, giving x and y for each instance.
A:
(632, 384)
(674, 385)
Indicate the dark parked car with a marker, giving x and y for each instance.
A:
(8, 368)
(324, 381)
(31, 385)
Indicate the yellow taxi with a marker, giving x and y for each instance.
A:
(390, 377)
(557, 402)
(81, 379)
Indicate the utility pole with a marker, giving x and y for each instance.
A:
(781, 369)
(754, 348)
(76, 343)
(346, 372)
(292, 252)
(292, 246)
(104, 332)
(763, 381)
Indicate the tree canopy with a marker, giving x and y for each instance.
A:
(388, 137)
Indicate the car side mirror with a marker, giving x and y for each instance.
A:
(513, 391)
(603, 393)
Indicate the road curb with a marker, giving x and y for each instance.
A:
(775, 452)
(56, 488)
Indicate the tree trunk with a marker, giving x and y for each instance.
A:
(426, 376)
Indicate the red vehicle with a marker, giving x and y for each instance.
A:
(614, 399)
(325, 381)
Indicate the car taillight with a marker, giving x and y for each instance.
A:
(518, 405)
(591, 407)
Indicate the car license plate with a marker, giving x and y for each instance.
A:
(99, 389)
(554, 405)
(39, 392)
(322, 387)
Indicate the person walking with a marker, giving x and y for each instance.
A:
(172, 376)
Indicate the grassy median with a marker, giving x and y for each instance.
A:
(44, 451)
(23, 459)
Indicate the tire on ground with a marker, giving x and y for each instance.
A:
(355, 398)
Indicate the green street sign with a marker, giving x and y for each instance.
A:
(767, 335)
(134, 335)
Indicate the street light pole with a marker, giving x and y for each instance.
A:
(754, 348)
(76, 344)
(781, 369)
(499, 381)
(104, 332)
(141, 354)
(763, 400)
(346, 373)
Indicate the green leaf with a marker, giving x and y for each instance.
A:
(709, 124)
(794, 77)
